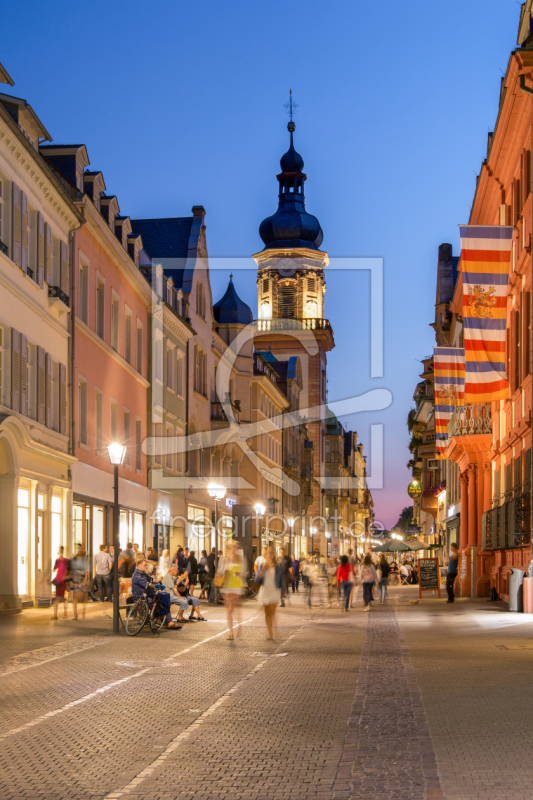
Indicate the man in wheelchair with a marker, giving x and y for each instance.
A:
(140, 586)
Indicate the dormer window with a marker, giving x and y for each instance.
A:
(109, 209)
(122, 229)
(94, 186)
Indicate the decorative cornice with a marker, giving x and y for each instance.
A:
(111, 353)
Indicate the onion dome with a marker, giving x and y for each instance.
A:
(291, 225)
(231, 309)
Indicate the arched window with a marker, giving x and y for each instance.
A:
(266, 311)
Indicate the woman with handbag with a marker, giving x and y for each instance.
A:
(79, 579)
(61, 568)
(230, 578)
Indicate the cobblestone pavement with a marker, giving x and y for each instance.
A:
(426, 702)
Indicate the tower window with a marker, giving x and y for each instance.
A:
(287, 298)
(266, 284)
(311, 284)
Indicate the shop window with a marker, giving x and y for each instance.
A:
(81, 525)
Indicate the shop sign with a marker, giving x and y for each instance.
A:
(414, 489)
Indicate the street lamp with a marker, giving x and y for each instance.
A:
(218, 493)
(259, 509)
(313, 531)
(117, 452)
(291, 525)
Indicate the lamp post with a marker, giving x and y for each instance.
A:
(259, 509)
(291, 525)
(218, 493)
(313, 531)
(117, 452)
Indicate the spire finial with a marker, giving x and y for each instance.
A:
(231, 277)
(291, 107)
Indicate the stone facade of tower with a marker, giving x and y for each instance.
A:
(291, 318)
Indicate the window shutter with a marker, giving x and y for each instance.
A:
(64, 268)
(48, 370)
(48, 253)
(16, 218)
(24, 233)
(23, 375)
(63, 399)
(40, 250)
(15, 370)
(41, 385)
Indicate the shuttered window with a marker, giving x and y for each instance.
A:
(16, 216)
(63, 405)
(82, 411)
(15, 370)
(100, 307)
(139, 349)
(115, 306)
(23, 375)
(24, 232)
(127, 335)
(64, 269)
(287, 302)
(48, 254)
(40, 249)
(138, 445)
(41, 385)
(127, 437)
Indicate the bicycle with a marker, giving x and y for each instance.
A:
(250, 590)
(141, 612)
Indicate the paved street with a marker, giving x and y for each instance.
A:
(391, 704)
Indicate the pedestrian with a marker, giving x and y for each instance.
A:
(180, 558)
(203, 574)
(137, 552)
(312, 577)
(169, 582)
(79, 577)
(333, 584)
(260, 560)
(61, 568)
(285, 562)
(102, 569)
(152, 557)
(270, 578)
(295, 574)
(164, 562)
(211, 568)
(382, 572)
(345, 580)
(451, 575)
(182, 586)
(368, 579)
(233, 570)
(192, 569)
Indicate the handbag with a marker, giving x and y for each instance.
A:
(219, 581)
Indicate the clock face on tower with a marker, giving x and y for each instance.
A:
(287, 267)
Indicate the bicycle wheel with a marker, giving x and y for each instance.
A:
(136, 617)
(156, 621)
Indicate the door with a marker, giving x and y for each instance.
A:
(23, 540)
(42, 589)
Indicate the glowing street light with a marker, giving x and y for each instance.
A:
(218, 493)
(291, 525)
(260, 510)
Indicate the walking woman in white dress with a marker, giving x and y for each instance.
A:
(270, 578)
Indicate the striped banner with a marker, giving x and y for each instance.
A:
(449, 376)
(485, 253)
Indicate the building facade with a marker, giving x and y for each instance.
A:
(37, 224)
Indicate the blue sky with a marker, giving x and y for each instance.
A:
(182, 104)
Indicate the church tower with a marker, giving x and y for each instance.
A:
(291, 289)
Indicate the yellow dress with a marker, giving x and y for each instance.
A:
(234, 581)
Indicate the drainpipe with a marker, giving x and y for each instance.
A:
(529, 90)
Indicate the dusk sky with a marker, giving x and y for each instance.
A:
(181, 104)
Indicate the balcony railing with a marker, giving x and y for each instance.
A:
(292, 324)
(470, 420)
(218, 414)
(57, 291)
(508, 524)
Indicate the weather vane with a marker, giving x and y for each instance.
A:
(291, 106)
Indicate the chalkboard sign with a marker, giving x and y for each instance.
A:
(428, 575)
(463, 566)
